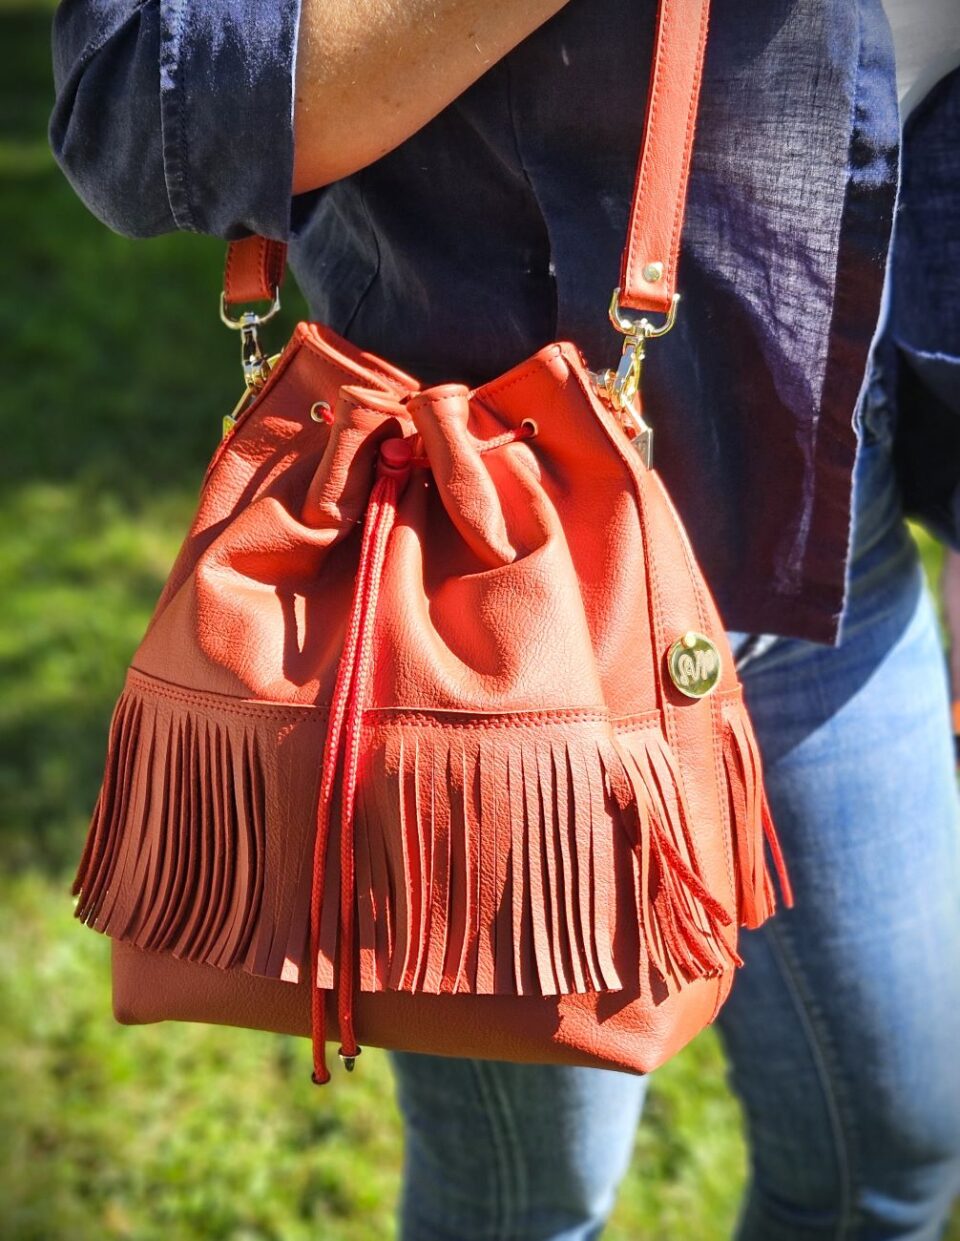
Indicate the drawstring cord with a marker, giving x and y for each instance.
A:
(345, 723)
(344, 729)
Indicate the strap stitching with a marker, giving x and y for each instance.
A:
(228, 274)
(646, 158)
(687, 154)
(679, 182)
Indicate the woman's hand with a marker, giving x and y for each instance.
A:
(372, 72)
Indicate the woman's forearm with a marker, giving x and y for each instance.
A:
(372, 72)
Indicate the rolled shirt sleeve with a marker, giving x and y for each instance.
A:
(178, 114)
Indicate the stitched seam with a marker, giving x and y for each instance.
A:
(318, 346)
(422, 398)
(715, 734)
(819, 1045)
(184, 140)
(228, 274)
(504, 1202)
(403, 715)
(640, 498)
(280, 250)
(647, 156)
(265, 268)
(175, 148)
(223, 702)
(805, 528)
(726, 822)
(522, 719)
(653, 585)
(679, 182)
(527, 369)
(516, 1203)
(685, 164)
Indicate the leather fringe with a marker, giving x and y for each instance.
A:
(751, 823)
(494, 860)
(175, 858)
(681, 921)
(501, 876)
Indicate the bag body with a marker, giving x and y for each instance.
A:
(434, 741)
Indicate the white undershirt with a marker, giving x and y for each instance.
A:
(926, 39)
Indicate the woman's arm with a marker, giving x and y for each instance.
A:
(182, 114)
(177, 114)
(372, 72)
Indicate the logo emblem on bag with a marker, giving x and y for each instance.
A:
(694, 665)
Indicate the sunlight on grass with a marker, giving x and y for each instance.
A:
(158, 1131)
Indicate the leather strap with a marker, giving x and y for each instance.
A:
(254, 270)
(648, 270)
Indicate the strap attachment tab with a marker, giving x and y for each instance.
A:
(648, 271)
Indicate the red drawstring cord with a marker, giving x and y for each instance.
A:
(346, 724)
(346, 721)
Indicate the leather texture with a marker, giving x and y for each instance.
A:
(254, 270)
(537, 802)
(660, 191)
(399, 757)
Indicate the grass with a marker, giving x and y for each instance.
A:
(117, 373)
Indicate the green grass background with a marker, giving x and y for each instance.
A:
(115, 375)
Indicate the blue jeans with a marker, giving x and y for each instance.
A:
(843, 1027)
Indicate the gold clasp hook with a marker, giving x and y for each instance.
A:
(256, 365)
(625, 381)
(620, 387)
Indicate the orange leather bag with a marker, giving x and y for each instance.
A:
(434, 740)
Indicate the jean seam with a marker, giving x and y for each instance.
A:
(506, 1147)
(828, 1071)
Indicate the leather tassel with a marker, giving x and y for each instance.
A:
(752, 827)
(681, 922)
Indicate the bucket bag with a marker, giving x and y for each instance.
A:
(434, 741)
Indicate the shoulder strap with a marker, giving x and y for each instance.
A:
(254, 270)
(648, 271)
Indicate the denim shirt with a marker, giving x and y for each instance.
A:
(498, 227)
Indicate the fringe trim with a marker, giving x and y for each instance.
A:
(682, 923)
(489, 860)
(175, 858)
(486, 863)
(751, 822)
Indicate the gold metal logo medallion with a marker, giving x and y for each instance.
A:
(694, 665)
